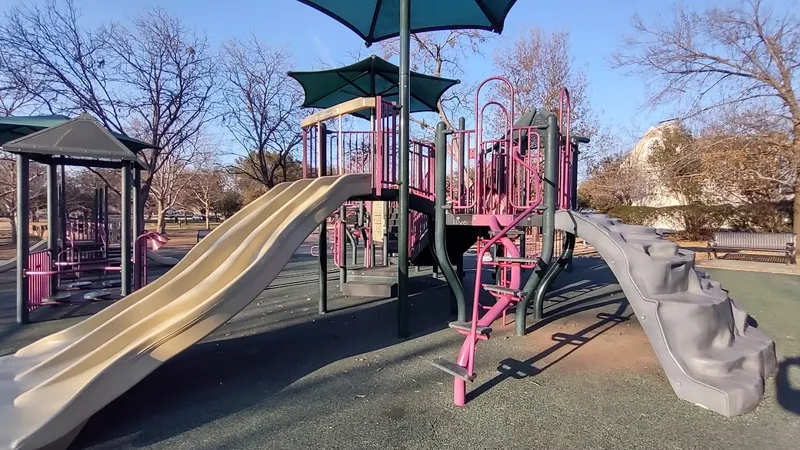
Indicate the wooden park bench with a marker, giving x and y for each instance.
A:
(201, 234)
(785, 243)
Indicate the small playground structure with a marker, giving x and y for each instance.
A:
(489, 186)
(86, 258)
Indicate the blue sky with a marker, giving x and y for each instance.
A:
(595, 28)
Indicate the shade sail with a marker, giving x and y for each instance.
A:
(14, 127)
(79, 140)
(369, 77)
(376, 20)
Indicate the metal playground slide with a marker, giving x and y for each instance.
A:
(49, 389)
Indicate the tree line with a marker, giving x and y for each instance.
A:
(731, 74)
(156, 79)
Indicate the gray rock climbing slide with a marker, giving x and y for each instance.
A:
(703, 339)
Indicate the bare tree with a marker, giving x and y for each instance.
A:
(614, 180)
(538, 65)
(8, 189)
(169, 73)
(16, 91)
(736, 58)
(261, 109)
(74, 64)
(442, 54)
(176, 174)
(677, 161)
(152, 78)
(207, 186)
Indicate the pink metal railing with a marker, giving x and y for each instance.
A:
(565, 151)
(38, 285)
(373, 151)
(499, 176)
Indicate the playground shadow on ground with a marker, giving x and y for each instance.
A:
(788, 392)
(511, 368)
(217, 378)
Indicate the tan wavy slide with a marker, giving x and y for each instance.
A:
(49, 389)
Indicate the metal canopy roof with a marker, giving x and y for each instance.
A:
(369, 77)
(376, 20)
(81, 141)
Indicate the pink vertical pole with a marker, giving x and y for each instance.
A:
(377, 149)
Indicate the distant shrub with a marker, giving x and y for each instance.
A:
(698, 222)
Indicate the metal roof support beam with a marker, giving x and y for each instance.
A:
(23, 237)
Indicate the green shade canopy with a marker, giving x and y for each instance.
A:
(369, 77)
(80, 141)
(376, 20)
(14, 127)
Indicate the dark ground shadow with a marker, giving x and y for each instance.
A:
(511, 368)
(211, 380)
(788, 396)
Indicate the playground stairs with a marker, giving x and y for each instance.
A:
(459, 240)
(506, 290)
(381, 282)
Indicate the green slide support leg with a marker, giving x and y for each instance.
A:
(552, 274)
(440, 238)
(548, 222)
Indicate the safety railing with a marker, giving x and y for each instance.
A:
(565, 175)
(38, 272)
(502, 177)
(372, 151)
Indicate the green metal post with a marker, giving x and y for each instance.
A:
(138, 203)
(52, 219)
(551, 165)
(403, 176)
(322, 146)
(440, 222)
(552, 274)
(106, 225)
(138, 227)
(23, 237)
(125, 223)
(385, 237)
(62, 205)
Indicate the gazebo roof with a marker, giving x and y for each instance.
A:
(82, 141)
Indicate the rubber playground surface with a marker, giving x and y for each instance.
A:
(280, 376)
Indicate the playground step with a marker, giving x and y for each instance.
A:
(510, 259)
(513, 233)
(467, 326)
(493, 288)
(453, 369)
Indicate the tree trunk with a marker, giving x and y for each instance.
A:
(208, 218)
(13, 221)
(161, 224)
(796, 204)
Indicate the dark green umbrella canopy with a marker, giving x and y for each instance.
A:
(376, 20)
(14, 127)
(369, 77)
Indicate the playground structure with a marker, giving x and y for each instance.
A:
(482, 190)
(521, 175)
(86, 257)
